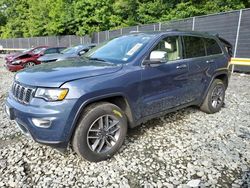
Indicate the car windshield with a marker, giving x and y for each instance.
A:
(72, 50)
(27, 50)
(38, 50)
(120, 49)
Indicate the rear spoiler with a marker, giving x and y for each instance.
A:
(227, 45)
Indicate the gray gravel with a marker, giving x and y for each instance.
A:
(187, 148)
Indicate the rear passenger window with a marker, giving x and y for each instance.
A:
(212, 47)
(194, 47)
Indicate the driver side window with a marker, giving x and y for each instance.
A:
(171, 47)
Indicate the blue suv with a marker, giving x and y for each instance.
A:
(89, 102)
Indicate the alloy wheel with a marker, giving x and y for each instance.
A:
(103, 133)
(217, 96)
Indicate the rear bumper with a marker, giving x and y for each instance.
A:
(55, 135)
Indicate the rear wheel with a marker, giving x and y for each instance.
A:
(100, 132)
(215, 97)
(29, 64)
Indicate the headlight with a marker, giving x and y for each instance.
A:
(17, 62)
(51, 94)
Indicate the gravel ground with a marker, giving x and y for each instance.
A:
(182, 149)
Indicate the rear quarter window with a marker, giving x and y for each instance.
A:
(194, 47)
(212, 46)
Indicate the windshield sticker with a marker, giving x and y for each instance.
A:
(134, 49)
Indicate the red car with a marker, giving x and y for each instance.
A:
(29, 57)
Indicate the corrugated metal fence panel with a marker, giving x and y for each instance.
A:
(52, 41)
(114, 33)
(243, 49)
(2, 43)
(86, 39)
(102, 36)
(185, 24)
(148, 27)
(33, 42)
(63, 41)
(24, 43)
(127, 30)
(75, 40)
(224, 24)
(95, 38)
(42, 41)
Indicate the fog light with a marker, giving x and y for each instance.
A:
(44, 123)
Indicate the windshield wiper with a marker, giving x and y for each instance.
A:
(96, 59)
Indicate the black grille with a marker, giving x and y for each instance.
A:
(21, 93)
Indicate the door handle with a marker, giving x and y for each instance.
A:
(210, 61)
(181, 66)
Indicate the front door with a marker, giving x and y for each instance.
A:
(164, 85)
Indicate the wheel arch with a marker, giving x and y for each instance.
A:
(222, 75)
(117, 99)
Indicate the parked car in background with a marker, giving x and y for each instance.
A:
(68, 53)
(10, 57)
(30, 58)
(91, 101)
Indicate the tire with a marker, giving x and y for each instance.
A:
(29, 64)
(88, 137)
(215, 93)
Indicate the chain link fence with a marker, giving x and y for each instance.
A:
(234, 26)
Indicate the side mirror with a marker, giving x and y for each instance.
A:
(156, 57)
(82, 52)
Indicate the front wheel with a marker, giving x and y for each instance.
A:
(215, 97)
(100, 132)
(29, 64)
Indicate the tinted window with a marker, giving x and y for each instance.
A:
(212, 46)
(51, 51)
(194, 47)
(170, 45)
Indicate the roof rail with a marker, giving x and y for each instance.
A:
(134, 31)
(172, 30)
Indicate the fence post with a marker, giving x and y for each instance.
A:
(137, 28)
(70, 42)
(107, 35)
(19, 42)
(98, 38)
(154, 27)
(193, 24)
(121, 31)
(237, 37)
(160, 26)
(57, 41)
(29, 42)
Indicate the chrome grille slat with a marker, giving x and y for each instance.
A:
(22, 94)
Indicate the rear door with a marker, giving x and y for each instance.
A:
(201, 65)
(164, 85)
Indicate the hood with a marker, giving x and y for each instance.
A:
(22, 56)
(54, 57)
(57, 73)
(12, 56)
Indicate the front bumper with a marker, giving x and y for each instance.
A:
(13, 68)
(57, 134)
